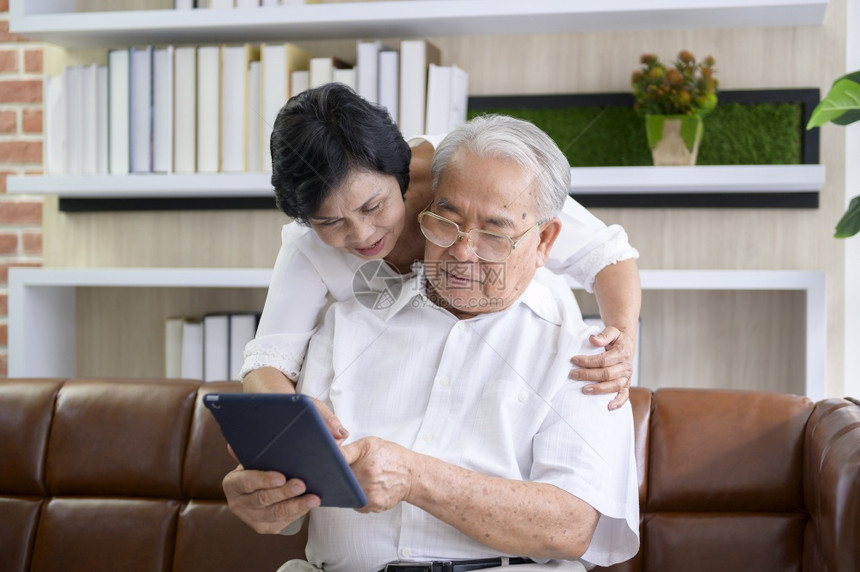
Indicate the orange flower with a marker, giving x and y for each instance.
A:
(683, 88)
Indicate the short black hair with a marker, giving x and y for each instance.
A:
(323, 134)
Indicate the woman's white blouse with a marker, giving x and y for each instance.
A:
(308, 275)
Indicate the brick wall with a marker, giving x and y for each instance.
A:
(20, 154)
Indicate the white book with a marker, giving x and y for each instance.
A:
(89, 118)
(415, 58)
(459, 97)
(102, 122)
(389, 82)
(367, 69)
(438, 100)
(118, 111)
(173, 347)
(192, 349)
(243, 328)
(234, 106)
(255, 160)
(74, 133)
(55, 125)
(269, 2)
(183, 4)
(247, 3)
(447, 98)
(221, 4)
(299, 82)
(277, 62)
(322, 70)
(345, 76)
(185, 109)
(162, 110)
(141, 110)
(216, 347)
(208, 108)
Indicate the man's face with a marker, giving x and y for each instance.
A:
(496, 195)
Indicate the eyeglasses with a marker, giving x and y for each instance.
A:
(488, 246)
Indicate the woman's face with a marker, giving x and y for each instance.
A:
(364, 216)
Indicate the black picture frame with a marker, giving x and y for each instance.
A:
(810, 139)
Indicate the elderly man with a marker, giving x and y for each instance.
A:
(466, 435)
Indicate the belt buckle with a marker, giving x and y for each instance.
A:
(406, 565)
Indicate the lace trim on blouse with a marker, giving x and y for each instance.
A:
(616, 249)
(284, 352)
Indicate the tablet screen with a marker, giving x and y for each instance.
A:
(286, 433)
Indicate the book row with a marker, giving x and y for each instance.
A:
(210, 348)
(210, 109)
(220, 4)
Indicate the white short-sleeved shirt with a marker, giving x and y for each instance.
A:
(490, 394)
(308, 274)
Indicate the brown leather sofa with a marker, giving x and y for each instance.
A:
(109, 475)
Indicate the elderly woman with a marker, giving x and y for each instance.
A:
(342, 170)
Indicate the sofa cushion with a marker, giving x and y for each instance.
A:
(208, 534)
(18, 519)
(709, 542)
(120, 438)
(100, 533)
(25, 419)
(207, 459)
(726, 451)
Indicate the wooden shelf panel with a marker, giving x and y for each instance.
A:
(585, 180)
(44, 20)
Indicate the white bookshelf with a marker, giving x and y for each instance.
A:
(585, 180)
(42, 317)
(56, 22)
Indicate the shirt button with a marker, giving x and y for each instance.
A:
(523, 397)
(462, 325)
(428, 437)
(445, 381)
(406, 552)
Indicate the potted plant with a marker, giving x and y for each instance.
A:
(842, 107)
(673, 100)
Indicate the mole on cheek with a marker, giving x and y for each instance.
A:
(524, 216)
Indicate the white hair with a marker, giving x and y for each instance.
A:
(516, 140)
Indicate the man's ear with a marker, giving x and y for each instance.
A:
(548, 233)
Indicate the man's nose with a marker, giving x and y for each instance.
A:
(461, 250)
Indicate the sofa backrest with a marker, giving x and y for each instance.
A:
(120, 475)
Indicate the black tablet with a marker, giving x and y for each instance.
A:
(286, 433)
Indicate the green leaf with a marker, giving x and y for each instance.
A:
(847, 118)
(843, 98)
(849, 224)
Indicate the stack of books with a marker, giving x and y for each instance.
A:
(210, 108)
(210, 347)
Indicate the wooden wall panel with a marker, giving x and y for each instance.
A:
(120, 331)
(667, 238)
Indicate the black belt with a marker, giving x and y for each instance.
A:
(452, 565)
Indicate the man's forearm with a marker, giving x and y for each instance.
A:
(619, 296)
(514, 517)
(267, 380)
